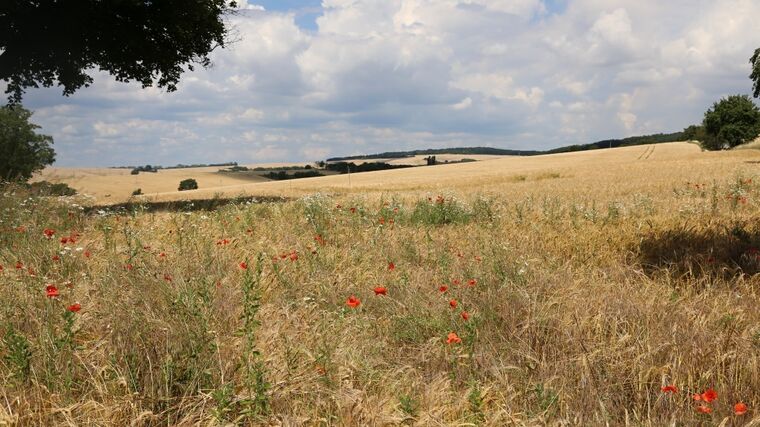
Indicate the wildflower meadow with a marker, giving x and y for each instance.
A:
(427, 308)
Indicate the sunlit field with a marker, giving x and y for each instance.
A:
(610, 287)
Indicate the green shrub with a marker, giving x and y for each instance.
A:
(188, 184)
(439, 211)
(45, 188)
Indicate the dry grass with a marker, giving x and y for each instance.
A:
(754, 145)
(599, 277)
(117, 185)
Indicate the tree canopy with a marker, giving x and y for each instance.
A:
(48, 42)
(730, 122)
(23, 150)
(755, 76)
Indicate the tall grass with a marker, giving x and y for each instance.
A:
(565, 311)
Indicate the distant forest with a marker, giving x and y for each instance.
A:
(607, 143)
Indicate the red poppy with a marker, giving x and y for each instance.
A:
(49, 233)
(319, 239)
(51, 291)
(162, 255)
(294, 256)
(697, 397)
(391, 266)
(87, 254)
(64, 240)
(381, 290)
(669, 389)
(457, 282)
(709, 395)
(382, 221)
(443, 288)
(74, 308)
(472, 282)
(465, 315)
(740, 408)
(129, 267)
(353, 210)
(167, 277)
(453, 338)
(56, 258)
(19, 265)
(353, 302)
(243, 265)
(478, 259)
(702, 409)
(338, 206)
(1, 268)
(453, 303)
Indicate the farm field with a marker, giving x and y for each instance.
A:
(419, 160)
(609, 287)
(111, 185)
(606, 174)
(116, 185)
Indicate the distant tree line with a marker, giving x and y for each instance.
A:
(199, 165)
(657, 138)
(148, 168)
(282, 175)
(433, 151)
(346, 167)
(607, 143)
(263, 169)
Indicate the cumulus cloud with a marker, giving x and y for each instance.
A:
(379, 75)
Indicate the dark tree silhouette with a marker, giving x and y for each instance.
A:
(48, 42)
(755, 76)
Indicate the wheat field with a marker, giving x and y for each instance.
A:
(613, 287)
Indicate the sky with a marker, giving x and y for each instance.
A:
(310, 79)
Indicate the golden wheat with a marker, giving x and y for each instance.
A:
(597, 278)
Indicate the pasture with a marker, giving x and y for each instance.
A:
(609, 287)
